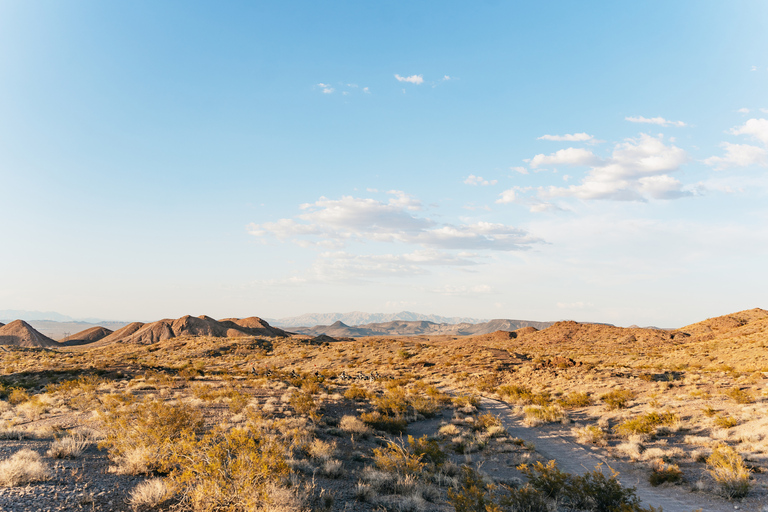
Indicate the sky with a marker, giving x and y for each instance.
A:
(600, 161)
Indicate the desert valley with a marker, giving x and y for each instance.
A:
(235, 414)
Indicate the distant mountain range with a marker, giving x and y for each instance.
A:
(339, 329)
(360, 318)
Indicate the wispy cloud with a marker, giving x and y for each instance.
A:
(339, 222)
(520, 170)
(744, 155)
(568, 137)
(326, 88)
(655, 120)
(414, 79)
(478, 180)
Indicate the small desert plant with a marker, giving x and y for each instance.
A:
(23, 467)
(618, 398)
(709, 411)
(398, 457)
(353, 425)
(149, 494)
(536, 415)
(465, 400)
(18, 396)
(724, 421)
(591, 434)
(663, 473)
(68, 447)
(428, 449)
(645, 424)
(575, 400)
(728, 469)
(384, 422)
(357, 393)
(741, 396)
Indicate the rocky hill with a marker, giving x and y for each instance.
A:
(19, 333)
(87, 336)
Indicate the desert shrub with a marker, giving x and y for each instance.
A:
(728, 469)
(665, 473)
(322, 450)
(709, 411)
(424, 405)
(645, 424)
(471, 495)
(149, 494)
(618, 398)
(238, 470)
(23, 467)
(465, 400)
(486, 421)
(398, 457)
(741, 396)
(515, 393)
(394, 402)
(18, 396)
(68, 447)
(574, 400)
(353, 425)
(357, 393)
(591, 434)
(725, 421)
(428, 449)
(384, 422)
(437, 395)
(524, 499)
(304, 404)
(141, 436)
(593, 490)
(536, 415)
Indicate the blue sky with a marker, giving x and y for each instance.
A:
(599, 161)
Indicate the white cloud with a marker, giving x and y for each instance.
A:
(478, 180)
(568, 137)
(743, 111)
(568, 156)
(446, 78)
(755, 128)
(508, 196)
(414, 79)
(753, 68)
(521, 170)
(366, 90)
(738, 155)
(636, 171)
(338, 222)
(655, 120)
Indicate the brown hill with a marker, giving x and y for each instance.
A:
(735, 324)
(87, 336)
(191, 326)
(21, 334)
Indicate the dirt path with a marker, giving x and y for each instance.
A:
(554, 443)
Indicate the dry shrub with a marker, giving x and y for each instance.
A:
(591, 434)
(398, 457)
(239, 470)
(69, 447)
(149, 494)
(728, 469)
(141, 436)
(645, 424)
(741, 396)
(379, 421)
(18, 396)
(23, 467)
(725, 422)
(357, 393)
(353, 425)
(665, 473)
(322, 450)
(618, 398)
(575, 400)
(536, 415)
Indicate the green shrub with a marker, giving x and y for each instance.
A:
(304, 404)
(618, 398)
(645, 424)
(384, 422)
(398, 457)
(728, 469)
(428, 449)
(471, 493)
(575, 400)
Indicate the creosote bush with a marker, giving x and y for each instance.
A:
(728, 469)
(141, 436)
(618, 398)
(665, 473)
(645, 424)
(22, 468)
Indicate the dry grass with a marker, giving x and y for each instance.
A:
(22, 468)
